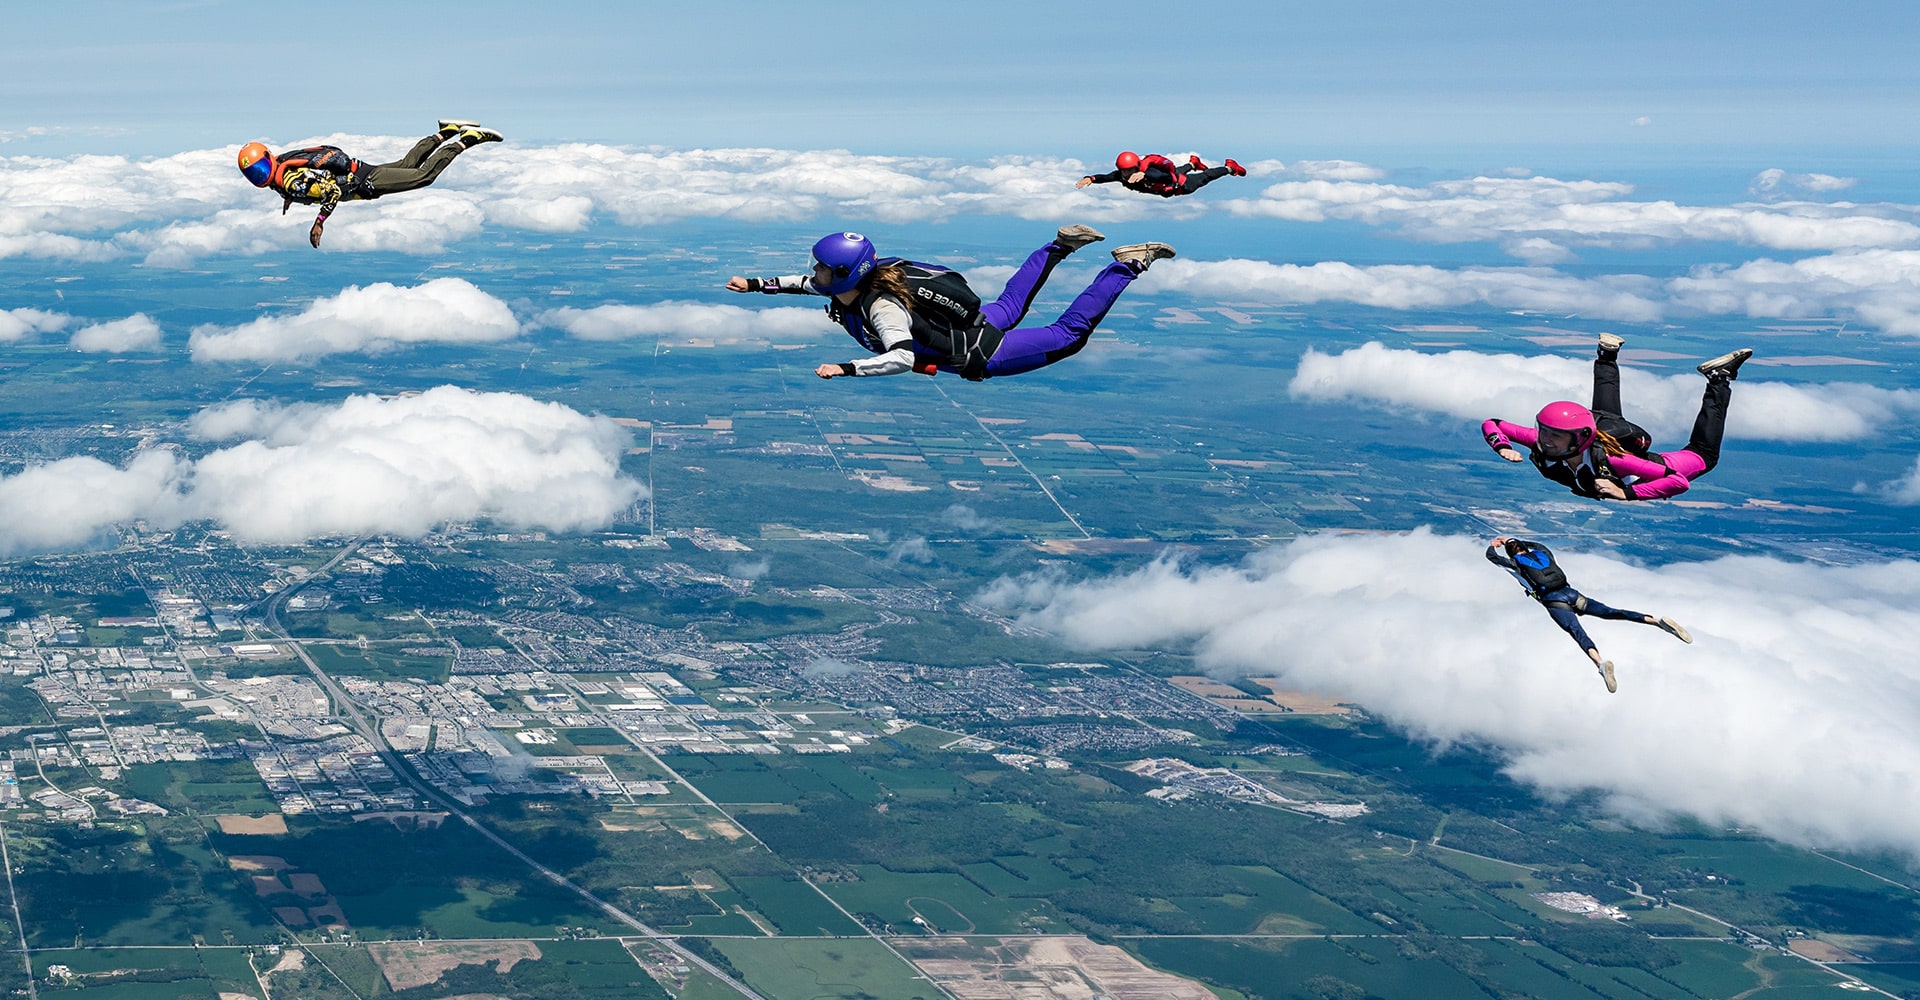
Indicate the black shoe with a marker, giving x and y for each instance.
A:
(1726, 366)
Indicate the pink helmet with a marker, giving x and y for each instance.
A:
(1568, 418)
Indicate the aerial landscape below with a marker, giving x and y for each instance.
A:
(462, 594)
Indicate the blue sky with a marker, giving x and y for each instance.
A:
(1249, 79)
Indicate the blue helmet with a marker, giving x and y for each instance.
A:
(849, 256)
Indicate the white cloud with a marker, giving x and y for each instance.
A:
(914, 550)
(967, 520)
(1769, 181)
(399, 466)
(1472, 386)
(137, 332)
(1410, 286)
(18, 324)
(403, 465)
(1906, 489)
(689, 320)
(1642, 121)
(1878, 288)
(176, 208)
(1332, 170)
(373, 319)
(1881, 287)
(1792, 712)
(1509, 210)
(76, 501)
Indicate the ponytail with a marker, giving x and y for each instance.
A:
(891, 281)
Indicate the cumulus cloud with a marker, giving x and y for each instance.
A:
(77, 501)
(1333, 170)
(1770, 182)
(966, 519)
(177, 208)
(172, 210)
(1510, 210)
(690, 320)
(1471, 386)
(1906, 489)
(403, 465)
(911, 550)
(1411, 286)
(1880, 287)
(399, 466)
(137, 332)
(1792, 712)
(19, 324)
(373, 319)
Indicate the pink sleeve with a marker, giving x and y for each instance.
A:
(1655, 481)
(1500, 434)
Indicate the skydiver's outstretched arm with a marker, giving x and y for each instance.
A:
(786, 284)
(1501, 437)
(1110, 177)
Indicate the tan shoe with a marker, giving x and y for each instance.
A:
(1676, 630)
(1606, 674)
(1141, 256)
(1071, 238)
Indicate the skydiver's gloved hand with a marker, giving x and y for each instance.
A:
(313, 235)
(738, 284)
(1083, 182)
(1511, 455)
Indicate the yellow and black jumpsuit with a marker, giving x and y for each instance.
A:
(326, 175)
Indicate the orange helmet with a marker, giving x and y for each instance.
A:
(1127, 161)
(256, 161)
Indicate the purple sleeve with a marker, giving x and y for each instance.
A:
(1500, 434)
(1653, 480)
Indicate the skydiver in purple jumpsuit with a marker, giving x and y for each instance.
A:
(924, 318)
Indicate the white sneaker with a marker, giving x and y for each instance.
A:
(1610, 343)
(1679, 632)
(1606, 674)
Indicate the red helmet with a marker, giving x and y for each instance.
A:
(1128, 160)
(1570, 419)
(257, 163)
